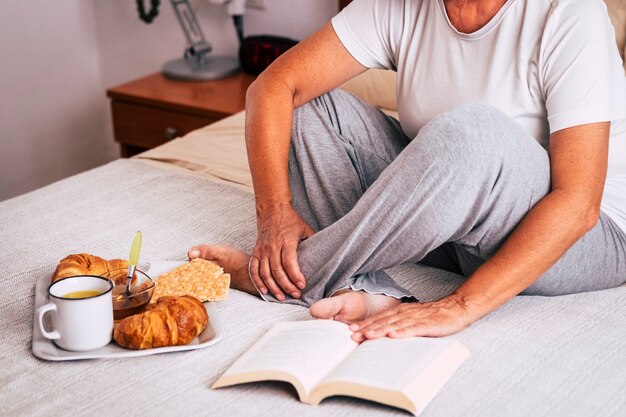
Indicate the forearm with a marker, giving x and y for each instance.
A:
(308, 70)
(311, 68)
(543, 236)
(269, 110)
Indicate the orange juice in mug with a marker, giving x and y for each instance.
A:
(82, 313)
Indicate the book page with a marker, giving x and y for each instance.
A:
(390, 364)
(404, 373)
(307, 350)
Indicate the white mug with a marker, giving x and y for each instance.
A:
(79, 324)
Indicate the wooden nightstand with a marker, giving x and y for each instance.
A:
(153, 110)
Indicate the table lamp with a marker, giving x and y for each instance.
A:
(197, 64)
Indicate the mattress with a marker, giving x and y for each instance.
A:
(535, 356)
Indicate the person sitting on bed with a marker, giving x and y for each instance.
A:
(512, 124)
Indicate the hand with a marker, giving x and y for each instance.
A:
(274, 262)
(435, 319)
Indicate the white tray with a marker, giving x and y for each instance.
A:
(46, 349)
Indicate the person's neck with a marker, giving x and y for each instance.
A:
(468, 16)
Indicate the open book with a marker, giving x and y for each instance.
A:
(320, 360)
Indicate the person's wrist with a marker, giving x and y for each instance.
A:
(268, 208)
(471, 306)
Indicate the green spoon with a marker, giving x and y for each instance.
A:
(133, 259)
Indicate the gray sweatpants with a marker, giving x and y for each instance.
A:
(449, 198)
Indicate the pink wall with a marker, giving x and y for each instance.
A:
(53, 120)
(59, 57)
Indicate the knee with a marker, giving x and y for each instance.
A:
(335, 108)
(322, 109)
(465, 133)
(314, 116)
(309, 114)
(461, 126)
(312, 109)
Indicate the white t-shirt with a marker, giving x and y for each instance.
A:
(548, 64)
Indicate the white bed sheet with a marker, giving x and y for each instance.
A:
(535, 356)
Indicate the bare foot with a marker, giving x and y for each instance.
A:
(350, 306)
(234, 262)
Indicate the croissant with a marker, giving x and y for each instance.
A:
(86, 264)
(172, 321)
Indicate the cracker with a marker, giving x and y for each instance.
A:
(200, 278)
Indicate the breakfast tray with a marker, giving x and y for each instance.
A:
(46, 349)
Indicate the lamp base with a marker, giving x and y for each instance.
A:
(211, 68)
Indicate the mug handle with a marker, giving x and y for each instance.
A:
(40, 313)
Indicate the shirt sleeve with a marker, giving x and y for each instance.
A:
(578, 66)
(364, 28)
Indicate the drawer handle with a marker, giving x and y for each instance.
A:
(170, 133)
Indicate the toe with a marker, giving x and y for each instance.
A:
(200, 251)
(326, 308)
(194, 252)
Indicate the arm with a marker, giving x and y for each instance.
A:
(578, 162)
(311, 68)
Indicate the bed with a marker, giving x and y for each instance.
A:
(539, 356)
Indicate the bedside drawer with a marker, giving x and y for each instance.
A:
(147, 127)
